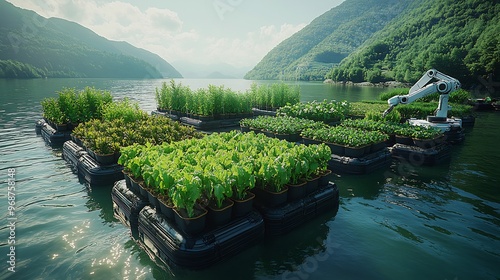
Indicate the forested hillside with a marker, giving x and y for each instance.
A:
(310, 53)
(32, 46)
(458, 37)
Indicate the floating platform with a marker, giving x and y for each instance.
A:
(51, 135)
(127, 205)
(283, 219)
(88, 169)
(468, 121)
(210, 125)
(261, 112)
(482, 104)
(164, 241)
(455, 135)
(205, 124)
(165, 114)
(362, 165)
(419, 156)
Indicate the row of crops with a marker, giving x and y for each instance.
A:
(217, 101)
(186, 167)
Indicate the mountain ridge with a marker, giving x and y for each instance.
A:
(309, 55)
(457, 37)
(55, 47)
(391, 41)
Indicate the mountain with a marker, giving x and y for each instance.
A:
(457, 37)
(203, 71)
(310, 53)
(33, 46)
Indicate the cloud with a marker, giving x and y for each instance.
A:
(161, 31)
(246, 51)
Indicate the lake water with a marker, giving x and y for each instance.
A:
(403, 222)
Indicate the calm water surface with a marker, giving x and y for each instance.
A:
(403, 222)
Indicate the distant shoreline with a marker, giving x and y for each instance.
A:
(392, 84)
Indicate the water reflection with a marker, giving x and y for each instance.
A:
(300, 251)
(367, 186)
(99, 199)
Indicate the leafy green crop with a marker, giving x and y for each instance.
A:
(350, 137)
(326, 111)
(221, 165)
(281, 124)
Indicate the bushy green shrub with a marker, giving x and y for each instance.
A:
(75, 107)
(124, 109)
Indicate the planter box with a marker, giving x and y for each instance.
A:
(243, 206)
(220, 216)
(245, 128)
(336, 149)
(428, 143)
(417, 156)
(404, 140)
(270, 198)
(97, 175)
(165, 241)
(378, 147)
(260, 112)
(191, 225)
(297, 191)
(282, 136)
(283, 219)
(105, 159)
(52, 137)
(88, 169)
(309, 141)
(362, 165)
(153, 200)
(355, 152)
(312, 185)
(166, 209)
(324, 178)
(269, 134)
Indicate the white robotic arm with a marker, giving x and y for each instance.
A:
(443, 86)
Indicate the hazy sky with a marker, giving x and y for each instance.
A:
(237, 32)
